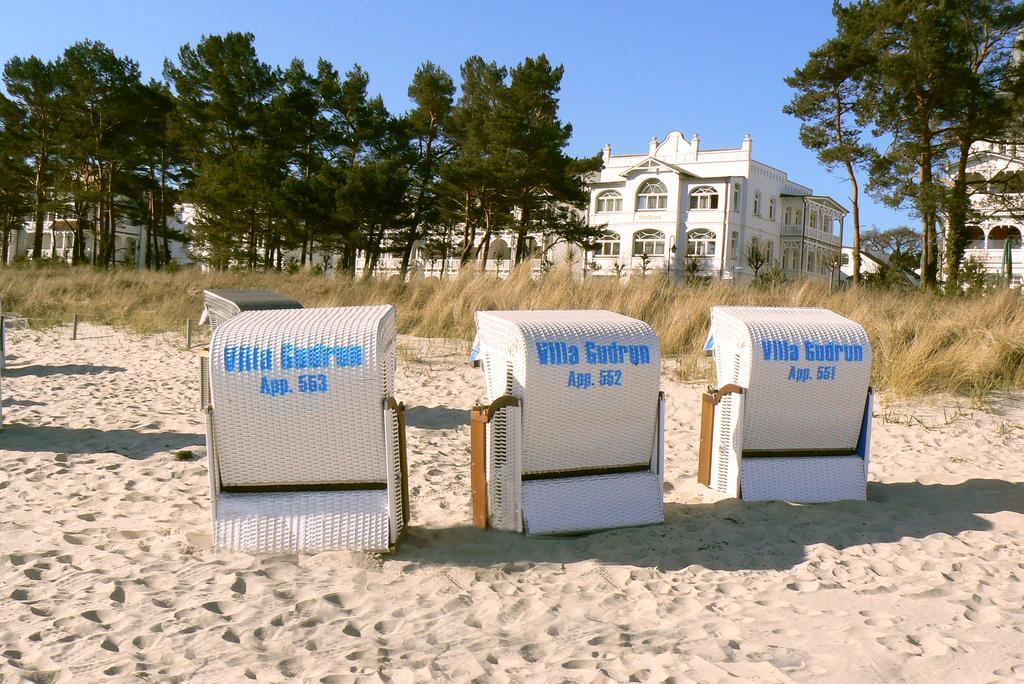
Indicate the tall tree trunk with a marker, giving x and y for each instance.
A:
(40, 213)
(928, 273)
(98, 230)
(524, 226)
(485, 245)
(468, 234)
(252, 239)
(5, 247)
(163, 210)
(417, 216)
(855, 203)
(956, 231)
(110, 256)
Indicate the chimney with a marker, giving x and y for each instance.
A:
(695, 145)
(654, 146)
(606, 153)
(747, 143)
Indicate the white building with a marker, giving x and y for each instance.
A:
(870, 264)
(678, 205)
(130, 241)
(995, 174)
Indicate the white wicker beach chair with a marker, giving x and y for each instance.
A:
(572, 439)
(306, 442)
(791, 420)
(223, 304)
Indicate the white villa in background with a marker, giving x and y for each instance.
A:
(870, 263)
(678, 203)
(990, 166)
(59, 238)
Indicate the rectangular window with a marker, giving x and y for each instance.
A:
(771, 209)
(735, 196)
(648, 246)
(733, 240)
(651, 202)
(608, 247)
(757, 204)
(704, 201)
(699, 248)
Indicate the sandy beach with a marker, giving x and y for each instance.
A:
(108, 572)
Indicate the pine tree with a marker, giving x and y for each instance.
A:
(15, 188)
(828, 96)
(103, 119)
(33, 113)
(428, 123)
(223, 120)
(989, 96)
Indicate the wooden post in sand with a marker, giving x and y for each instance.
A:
(74, 327)
(188, 333)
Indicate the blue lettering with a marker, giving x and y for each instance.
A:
(580, 380)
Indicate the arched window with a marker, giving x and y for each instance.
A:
(608, 246)
(787, 216)
(652, 195)
(610, 200)
(757, 203)
(790, 257)
(998, 235)
(704, 197)
(700, 243)
(650, 242)
(771, 208)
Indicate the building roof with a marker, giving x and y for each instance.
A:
(648, 163)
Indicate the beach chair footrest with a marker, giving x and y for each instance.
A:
(803, 479)
(303, 522)
(593, 502)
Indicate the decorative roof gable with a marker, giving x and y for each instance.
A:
(654, 165)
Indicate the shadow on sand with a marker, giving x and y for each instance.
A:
(436, 417)
(67, 369)
(22, 402)
(129, 443)
(737, 535)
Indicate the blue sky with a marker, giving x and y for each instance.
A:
(632, 70)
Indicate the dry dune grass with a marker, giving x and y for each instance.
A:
(924, 343)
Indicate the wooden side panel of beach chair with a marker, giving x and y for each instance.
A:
(480, 419)
(707, 438)
(709, 403)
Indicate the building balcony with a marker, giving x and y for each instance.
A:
(811, 234)
(992, 259)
